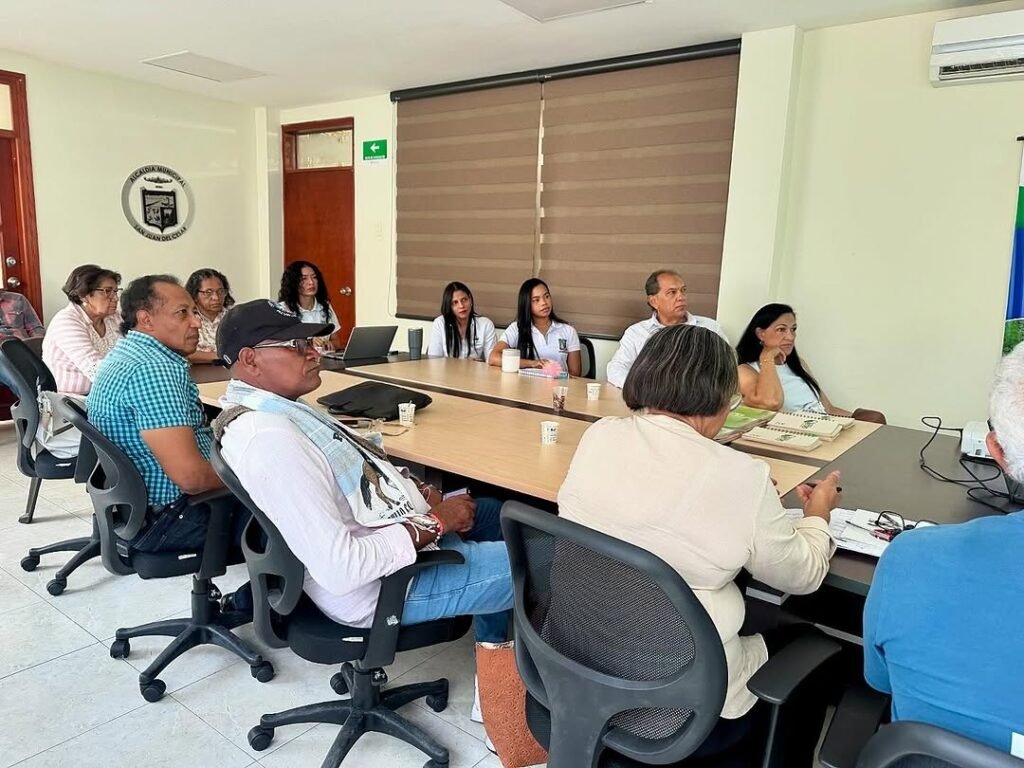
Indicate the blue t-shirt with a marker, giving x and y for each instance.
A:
(944, 628)
(143, 385)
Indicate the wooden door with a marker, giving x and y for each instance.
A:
(319, 212)
(10, 235)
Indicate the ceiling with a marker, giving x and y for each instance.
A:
(327, 50)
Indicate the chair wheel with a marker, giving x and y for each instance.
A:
(434, 764)
(438, 703)
(29, 563)
(260, 737)
(339, 684)
(119, 649)
(56, 586)
(153, 691)
(263, 672)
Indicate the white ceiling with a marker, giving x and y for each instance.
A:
(327, 50)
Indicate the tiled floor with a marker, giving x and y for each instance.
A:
(65, 702)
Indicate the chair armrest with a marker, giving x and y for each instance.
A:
(860, 712)
(387, 619)
(786, 670)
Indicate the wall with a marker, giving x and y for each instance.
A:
(900, 217)
(6, 118)
(90, 131)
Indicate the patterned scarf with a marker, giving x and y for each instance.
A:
(373, 487)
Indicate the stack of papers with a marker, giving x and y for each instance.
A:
(825, 429)
(852, 530)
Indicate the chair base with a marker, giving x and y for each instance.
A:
(207, 625)
(369, 709)
(85, 549)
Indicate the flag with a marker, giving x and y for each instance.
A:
(1013, 331)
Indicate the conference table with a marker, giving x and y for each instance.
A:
(484, 425)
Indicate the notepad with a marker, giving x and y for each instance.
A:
(745, 417)
(784, 439)
(540, 373)
(851, 528)
(843, 421)
(805, 425)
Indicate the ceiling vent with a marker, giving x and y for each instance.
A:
(188, 63)
(552, 10)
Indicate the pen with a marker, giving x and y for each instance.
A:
(883, 535)
(813, 483)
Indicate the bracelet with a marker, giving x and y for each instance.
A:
(440, 524)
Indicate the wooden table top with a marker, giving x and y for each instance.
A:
(492, 443)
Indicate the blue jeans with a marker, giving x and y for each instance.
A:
(480, 587)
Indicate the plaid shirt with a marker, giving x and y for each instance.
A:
(143, 385)
(17, 318)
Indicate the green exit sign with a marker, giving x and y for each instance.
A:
(377, 149)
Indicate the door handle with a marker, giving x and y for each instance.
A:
(13, 282)
(346, 291)
(11, 261)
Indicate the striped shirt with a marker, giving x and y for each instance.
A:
(141, 386)
(73, 350)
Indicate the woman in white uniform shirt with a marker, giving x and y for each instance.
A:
(658, 480)
(459, 331)
(304, 292)
(773, 376)
(538, 334)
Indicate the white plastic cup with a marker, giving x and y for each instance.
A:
(548, 432)
(510, 361)
(594, 391)
(407, 414)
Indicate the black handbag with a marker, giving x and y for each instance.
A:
(373, 400)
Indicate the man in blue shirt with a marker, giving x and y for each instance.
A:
(944, 620)
(144, 400)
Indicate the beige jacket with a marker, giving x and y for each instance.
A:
(705, 509)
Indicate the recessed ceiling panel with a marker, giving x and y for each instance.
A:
(550, 10)
(189, 63)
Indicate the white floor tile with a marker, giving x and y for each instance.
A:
(163, 735)
(12, 506)
(46, 705)
(66, 494)
(457, 663)
(37, 634)
(14, 594)
(374, 750)
(16, 541)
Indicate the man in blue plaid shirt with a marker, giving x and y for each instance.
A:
(144, 400)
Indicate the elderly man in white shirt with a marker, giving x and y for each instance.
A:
(666, 295)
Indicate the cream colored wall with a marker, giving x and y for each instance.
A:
(6, 118)
(90, 131)
(900, 217)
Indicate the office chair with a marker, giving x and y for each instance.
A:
(854, 740)
(622, 664)
(119, 497)
(284, 616)
(588, 362)
(30, 375)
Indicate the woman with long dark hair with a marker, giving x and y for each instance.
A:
(538, 333)
(459, 331)
(773, 376)
(210, 290)
(304, 292)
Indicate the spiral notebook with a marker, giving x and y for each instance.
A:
(772, 436)
(806, 425)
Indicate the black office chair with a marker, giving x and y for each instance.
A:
(588, 367)
(119, 497)
(855, 740)
(30, 375)
(622, 664)
(284, 616)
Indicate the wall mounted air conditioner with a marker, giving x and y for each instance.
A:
(978, 49)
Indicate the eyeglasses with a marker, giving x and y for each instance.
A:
(302, 346)
(210, 294)
(110, 293)
(891, 524)
(735, 401)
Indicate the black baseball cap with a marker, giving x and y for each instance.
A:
(246, 325)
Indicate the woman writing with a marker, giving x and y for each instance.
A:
(538, 333)
(773, 376)
(658, 480)
(82, 333)
(459, 331)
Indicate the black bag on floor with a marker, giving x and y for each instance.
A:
(373, 399)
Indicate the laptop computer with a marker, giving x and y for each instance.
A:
(367, 342)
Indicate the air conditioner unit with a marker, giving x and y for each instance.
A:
(978, 49)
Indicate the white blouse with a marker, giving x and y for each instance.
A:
(73, 350)
(484, 340)
(556, 344)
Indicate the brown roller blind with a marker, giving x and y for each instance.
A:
(635, 178)
(467, 197)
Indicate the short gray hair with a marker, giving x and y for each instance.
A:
(652, 286)
(1006, 408)
(685, 370)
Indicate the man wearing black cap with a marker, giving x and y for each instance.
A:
(349, 515)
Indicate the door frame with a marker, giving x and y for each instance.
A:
(24, 189)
